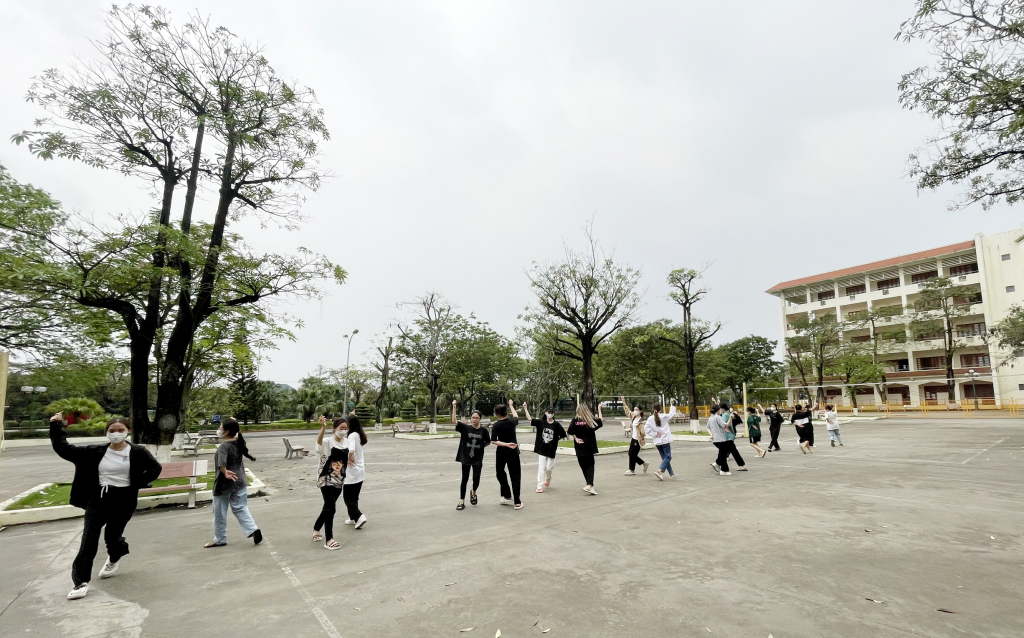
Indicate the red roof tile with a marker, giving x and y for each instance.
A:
(875, 265)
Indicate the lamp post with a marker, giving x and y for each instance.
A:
(33, 392)
(974, 386)
(347, 357)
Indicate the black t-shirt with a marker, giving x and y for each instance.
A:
(472, 444)
(775, 418)
(505, 431)
(548, 435)
(581, 430)
(799, 416)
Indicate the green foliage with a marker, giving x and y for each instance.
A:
(1009, 334)
(75, 409)
(750, 360)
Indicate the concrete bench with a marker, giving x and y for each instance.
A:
(403, 428)
(183, 469)
(292, 450)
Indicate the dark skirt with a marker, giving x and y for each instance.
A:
(755, 438)
(806, 433)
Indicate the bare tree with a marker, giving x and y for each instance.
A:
(581, 301)
(422, 342)
(383, 366)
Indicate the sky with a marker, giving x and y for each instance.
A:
(470, 140)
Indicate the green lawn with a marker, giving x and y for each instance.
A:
(600, 443)
(59, 493)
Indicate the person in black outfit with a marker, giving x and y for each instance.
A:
(775, 420)
(583, 431)
(549, 433)
(107, 481)
(803, 420)
(503, 436)
(471, 454)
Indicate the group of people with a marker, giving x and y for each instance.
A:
(108, 476)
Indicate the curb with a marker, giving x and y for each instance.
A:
(59, 512)
(420, 437)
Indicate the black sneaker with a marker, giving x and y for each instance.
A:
(257, 537)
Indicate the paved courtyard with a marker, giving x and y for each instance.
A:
(871, 539)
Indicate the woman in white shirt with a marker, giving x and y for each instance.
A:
(330, 477)
(356, 471)
(636, 442)
(660, 431)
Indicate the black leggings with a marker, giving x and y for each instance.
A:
(326, 519)
(465, 478)
(509, 459)
(350, 494)
(774, 431)
(586, 462)
(634, 455)
(111, 509)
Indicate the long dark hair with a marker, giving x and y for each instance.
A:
(355, 426)
(230, 426)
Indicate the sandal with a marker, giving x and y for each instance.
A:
(332, 545)
(317, 537)
(214, 544)
(460, 506)
(472, 499)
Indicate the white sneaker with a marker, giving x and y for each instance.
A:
(79, 592)
(715, 467)
(630, 473)
(109, 569)
(349, 521)
(661, 477)
(361, 521)
(590, 490)
(646, 464)
(725, 473)
(506, 501)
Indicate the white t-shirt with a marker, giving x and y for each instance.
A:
(831, 420)
(356, 473)
(638, 423)
(115, 467)
(331, 443)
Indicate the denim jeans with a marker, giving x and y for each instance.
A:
(834, 435)
(238, 500)
(666, 458)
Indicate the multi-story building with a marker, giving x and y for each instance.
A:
(992, 266)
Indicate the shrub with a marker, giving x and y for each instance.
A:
(76, 409)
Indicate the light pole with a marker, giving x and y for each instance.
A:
(347, 356)
(974, 386)
(33, 392)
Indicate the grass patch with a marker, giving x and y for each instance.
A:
(600, 443)
(60, 493)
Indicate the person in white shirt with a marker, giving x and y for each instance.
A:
(636, 442)
(832, 424)
(658, 428)
(356, 471)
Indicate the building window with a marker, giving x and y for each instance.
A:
(1006, 257)
(975, 361)
(856, 290)
(1010, 289)
(964, 269)
(828, 294)
(923, 276)
(1020, 386)
(971, 330)
(931, 363)
(833, 392)
(886, 284)
(862, 391)
(861, 338)
(981, 390)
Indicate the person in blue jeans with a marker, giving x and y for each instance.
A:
(657, 427)
(229, 488)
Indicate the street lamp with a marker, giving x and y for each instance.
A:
(974, 386)
(33, 392)
(347, 357)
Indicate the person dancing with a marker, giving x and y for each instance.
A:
(636, 442)
(230, 487)
(330, 477)
(754, 431)
(107, 481)
(503, 437)
(775, 420)
(472, 442)
(549, 433)
(804, 427)
(583, 431)
(658, 428)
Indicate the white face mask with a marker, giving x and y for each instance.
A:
(220, 432)
(339, 434)
(117, 437)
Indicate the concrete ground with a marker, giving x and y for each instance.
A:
(870, 539)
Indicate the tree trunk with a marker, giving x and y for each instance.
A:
(141, 426)
(950, 378)
(588, 374)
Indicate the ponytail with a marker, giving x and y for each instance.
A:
(656, 412)
(230, 426)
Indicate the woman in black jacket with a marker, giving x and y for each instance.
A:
(106, 485)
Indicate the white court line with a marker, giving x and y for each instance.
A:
(325, 622)
(983, 451)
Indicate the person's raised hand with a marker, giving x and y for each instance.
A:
(57, 417)
(455, 402)
(323, 421)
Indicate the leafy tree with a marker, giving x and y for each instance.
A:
(749, 360)
(423, 342)
(635, 361)
(1008, 334)
(940, 303)
(973, 91)
(855, 365)
(817, 344)
(687, 291)
(478, 359)
(313, 397)
(545, 375)
(883, 340)
(581, 301)
(185, 108)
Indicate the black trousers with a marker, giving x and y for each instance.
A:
(634, 455)
(465, 478)
(725, 448)
(111, 509)
(510, 485)
(350, 494)
(326, 519)
(774, 431)
(586, 462)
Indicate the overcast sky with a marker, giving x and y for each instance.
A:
(470, 139)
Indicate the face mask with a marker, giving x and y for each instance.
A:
(220, 432)
(339, 434)
(117, 437)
